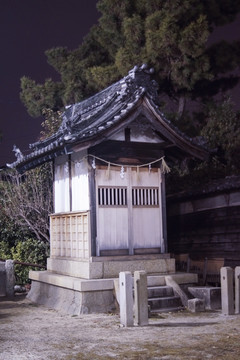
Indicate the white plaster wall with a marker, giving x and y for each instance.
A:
(61, 185)
(80, 183)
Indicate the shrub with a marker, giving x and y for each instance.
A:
(29, 251)
(5, 250)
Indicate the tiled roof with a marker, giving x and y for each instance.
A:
(90, 118)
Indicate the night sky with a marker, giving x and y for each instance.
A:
(27, 29)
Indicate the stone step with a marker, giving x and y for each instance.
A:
(160, 291)
(180, 278)
(164, 302)
(167, 309)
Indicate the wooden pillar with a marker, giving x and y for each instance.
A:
(70, 181)
(130, 211)
(164, 245)
(93, 214)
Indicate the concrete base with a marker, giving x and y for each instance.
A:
(76, 296)
(196, 305)
(70, 301)
(211, 296)
(73, 296)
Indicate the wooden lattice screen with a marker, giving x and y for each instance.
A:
(70, 235)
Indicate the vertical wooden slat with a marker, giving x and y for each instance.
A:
(156, 199)
(104, 196)
(82, 237)
(71, 236)
(65, 243)
(61, 234)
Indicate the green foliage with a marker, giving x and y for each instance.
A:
(107, 76)
(194, 175)
(29, 251)
(37, 97)
(222, 132)
(51, 123)
(169, 35)
(10, 232)
(5, 250)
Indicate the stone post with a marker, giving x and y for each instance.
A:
(2, 279)
(237, 290)
(227, 290)
(141, 298)
(126, 298)
(10, 278)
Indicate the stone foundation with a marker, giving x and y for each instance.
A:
(87, 286)
(110, 267)
(70, 301)
(75, 296)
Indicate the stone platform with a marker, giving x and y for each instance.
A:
(104, 267)
(74, 295)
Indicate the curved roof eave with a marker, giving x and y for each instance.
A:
(173, 134)
(91, 121)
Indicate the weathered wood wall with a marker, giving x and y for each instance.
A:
(206, 225)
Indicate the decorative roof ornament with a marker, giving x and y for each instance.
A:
(140, 77)
(142, 70)
(18, 153)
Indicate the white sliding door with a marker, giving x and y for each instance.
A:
(129, 210)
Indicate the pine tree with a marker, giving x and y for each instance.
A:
(170, 36)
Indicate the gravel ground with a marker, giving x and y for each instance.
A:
(30, 331)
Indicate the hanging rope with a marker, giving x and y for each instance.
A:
(164, 167)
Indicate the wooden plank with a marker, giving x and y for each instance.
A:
(114, 252)
(145, 251)
(130, 257)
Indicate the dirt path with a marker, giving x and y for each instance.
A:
(28, 331)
